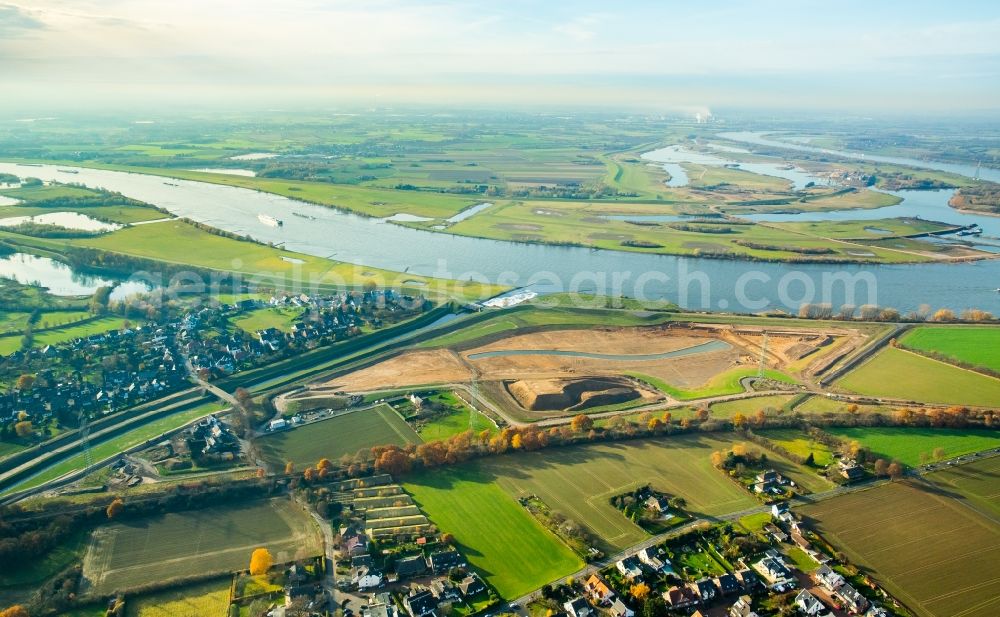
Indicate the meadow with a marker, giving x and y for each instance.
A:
(208, 599)
(457, 419)
(800, 444)
(337, 437)
(263, 318)
(907, 444)
(978, 346)
(221, 539)
(55, 335)
(937, 556)
(721, 384)
(918, 378)
(498, 536)
(749, 406)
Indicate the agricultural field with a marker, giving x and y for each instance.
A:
(208, 599)
(975, 483)
(939, 557)
(907, 444)
(973, 345)
(918, 378)
(337, 437)
(579, 481)
(174, 545)
(499, 537)
(56, 335)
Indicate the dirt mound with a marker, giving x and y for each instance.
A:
(571, 394)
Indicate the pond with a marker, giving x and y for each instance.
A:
(69, 220)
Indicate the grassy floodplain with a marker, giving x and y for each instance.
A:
(919, 378)
(210, 598)
(907, 444)
(940, 558)
(978, 346)
(178, 544)
(750, 406)
(335, 437)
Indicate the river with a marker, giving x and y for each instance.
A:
(700, 284)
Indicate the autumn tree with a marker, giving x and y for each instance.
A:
(393, 461)
(260, 472)
(895, 470)
(309, 474)
(517, 442)
(717, 458)
(261, 561)
(739, 421)
(447, 538)
(15, 611)
(655, 424)
(25, 381)
(115, 508)
(289, 468)
(881, 468)
(23, 428)
(582, 422)
(943, 315)
(640, 592)
(939, 454)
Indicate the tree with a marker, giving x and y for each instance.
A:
(15, 611)
(393, 461)
(517, 442)
(260, 472)
(881, 468)
(260, 561)
(939, 454)
(717, 458)
(289, 468)
(739, 421)
(447, 538)
(654, 607)
(655, 424)
(23, 428)
(943, 315)
(582, 423)
(895, 470)
(25, 381)
(115, 507)
(309, 474)
(640, 592)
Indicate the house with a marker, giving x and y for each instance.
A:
(620, 609)
(808, 604)
(825, 576)
(743, 607)
(356, 544)
(444, 590)
(362, 561)
(365, 578)
(277, 425)
(658, 503)
(775, 532)
(420, 603)
(750, 581)
(800, 540)
(850, 470)
(853, 600)
(630, 567)
(578, 607)
(680, 597)
(597, 589)
(649, 557)
(707, 590)
(411, 566)
(444, 561)
(876, 611)
(728, 584)
(471, 585)
(774, 571)
(782, 512)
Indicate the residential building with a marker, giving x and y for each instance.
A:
(578, 607)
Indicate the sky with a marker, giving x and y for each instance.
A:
(906, 56)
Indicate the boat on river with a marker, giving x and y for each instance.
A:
(270, 221)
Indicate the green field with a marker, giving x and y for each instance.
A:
(750, 406)
(975, 482)
(32, 572)
(458, 419)
(336, 437)
(54, 336)
(499, 537)
(800, 444)
(208, 599)
(906, 444)
(579, 481)
(978, 346)
(719, 385)
(918, 378)
(174, 545)
(940, 558)
(264, 318)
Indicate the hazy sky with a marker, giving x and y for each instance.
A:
(857, 55)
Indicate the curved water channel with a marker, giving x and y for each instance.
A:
(695, 283)
(677, 353)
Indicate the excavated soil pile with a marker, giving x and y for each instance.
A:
(571, 394)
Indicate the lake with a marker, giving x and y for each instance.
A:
(696, 283)
(69, 220)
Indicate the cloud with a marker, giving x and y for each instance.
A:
(580, 29)
(14, 20)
